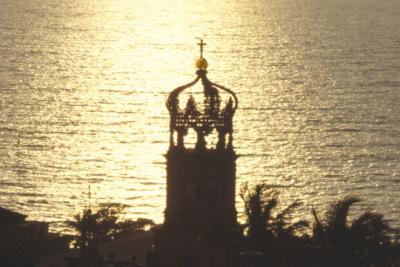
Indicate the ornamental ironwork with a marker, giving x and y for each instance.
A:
(206, 117)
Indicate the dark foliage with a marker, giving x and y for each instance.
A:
(103, 224)
(263, 224)
(366, 241)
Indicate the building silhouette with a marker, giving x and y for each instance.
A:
(200, 224)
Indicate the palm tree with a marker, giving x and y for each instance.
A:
(103, 224)
(262, 223)
(364, 241)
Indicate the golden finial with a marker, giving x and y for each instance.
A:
(201, 63)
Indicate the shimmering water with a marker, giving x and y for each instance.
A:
(83, 85)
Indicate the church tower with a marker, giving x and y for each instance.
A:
(200, 217)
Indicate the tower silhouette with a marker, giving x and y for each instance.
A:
(200, 216)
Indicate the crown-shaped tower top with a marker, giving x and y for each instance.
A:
(206, 118)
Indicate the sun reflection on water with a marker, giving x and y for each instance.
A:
(84, 85)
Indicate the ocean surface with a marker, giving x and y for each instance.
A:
(83, 85)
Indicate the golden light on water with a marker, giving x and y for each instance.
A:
(84, 85)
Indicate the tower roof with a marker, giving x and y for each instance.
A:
(204, 117)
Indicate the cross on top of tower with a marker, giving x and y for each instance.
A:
(201, 44)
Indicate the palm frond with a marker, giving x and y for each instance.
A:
(286, 213)
(318, 229)
(268, 207)
(337, 217)
(371, 227)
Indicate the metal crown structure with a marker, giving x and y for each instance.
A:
(205, 118)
